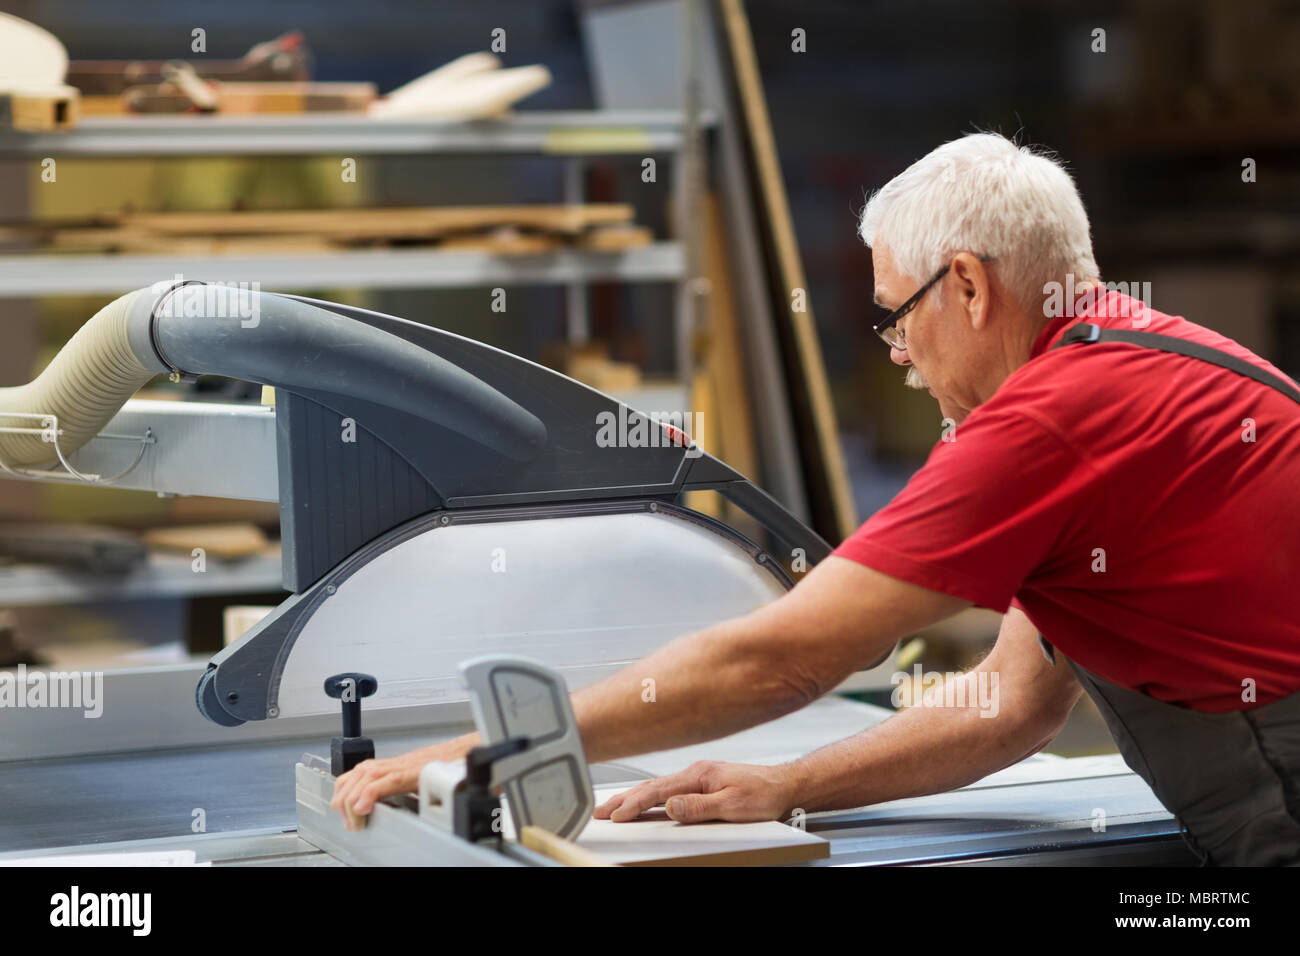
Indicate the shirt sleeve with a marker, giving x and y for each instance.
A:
(1001, 502)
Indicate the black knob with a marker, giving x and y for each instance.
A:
(352, 748)
(350, 688)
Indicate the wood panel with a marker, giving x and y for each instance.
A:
(655, 840)
(824, 469)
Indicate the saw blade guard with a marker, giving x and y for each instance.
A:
(585, 590)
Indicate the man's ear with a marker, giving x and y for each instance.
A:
(973, 288)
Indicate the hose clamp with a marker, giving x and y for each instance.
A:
(176, 375)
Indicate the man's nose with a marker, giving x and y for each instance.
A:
(899, 356)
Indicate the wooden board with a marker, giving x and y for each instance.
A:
(33, 94)
(504, 230)
(832, 503)
(39, 112)
(726, 348)
(616, 237)
(505, 241)
(238, 619)
(654, 840)
(244, 99)
(471, 87)
(409, 223)
(238, 540)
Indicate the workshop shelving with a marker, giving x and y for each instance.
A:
(162, 575)
(37, 275)
(562, 132)
(571, 136)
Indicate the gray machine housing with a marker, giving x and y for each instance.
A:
(439, 429)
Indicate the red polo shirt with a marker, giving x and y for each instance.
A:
(1107, 488)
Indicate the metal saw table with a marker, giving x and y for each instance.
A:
(408, 462)
(1038, 811)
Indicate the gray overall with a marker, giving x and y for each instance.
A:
(1231, 780)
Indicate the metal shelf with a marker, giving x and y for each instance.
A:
(37, 275)
(163, 576)
(569, 132)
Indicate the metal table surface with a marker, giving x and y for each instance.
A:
(1108, 819)
(114, 798)
(1042, 809)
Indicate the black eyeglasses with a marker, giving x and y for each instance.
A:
(887, 328)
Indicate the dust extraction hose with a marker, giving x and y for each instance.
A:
(84, 386)
(187, 330)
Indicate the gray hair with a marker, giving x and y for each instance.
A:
(985, 195)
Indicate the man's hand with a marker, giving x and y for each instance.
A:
(357, 791)
(709, 790)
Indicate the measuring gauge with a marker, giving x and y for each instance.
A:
(548, 784)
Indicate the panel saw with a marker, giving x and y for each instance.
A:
(441, 502)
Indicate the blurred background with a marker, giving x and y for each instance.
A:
(1180, 120)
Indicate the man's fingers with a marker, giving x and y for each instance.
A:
(697, 807)
(607, 808)
(653, 793)
(375, 790)
(348, 783)
(351, 821)
(342, 788)
(603, 811)
(356, 791)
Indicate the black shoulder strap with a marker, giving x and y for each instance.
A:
(1086, 332)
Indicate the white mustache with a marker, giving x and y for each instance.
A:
(914, 379)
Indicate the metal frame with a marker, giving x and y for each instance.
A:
(35, 275)
(222, 450)
(393, 836)
(589, 132)
(605, 27)
(49, 431)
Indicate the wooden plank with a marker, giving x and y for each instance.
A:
(238, 619)
(507, 230)
(827, 459)
(385, 223)
(132, 240)
(237, 540)
(705, 431)
(39, 112)
(655, 840)
(245, 99)
(559, 849)
(473, 95)
(616, 237)
(726, 348)
(720, 389)
(506, 241)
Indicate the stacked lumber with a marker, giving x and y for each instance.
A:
(507, 230)
(33, 94)
(39, 111)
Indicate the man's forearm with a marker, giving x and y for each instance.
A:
(751, 669)
(923, 750)
(707, 685)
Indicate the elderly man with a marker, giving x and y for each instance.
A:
(1123, 484)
